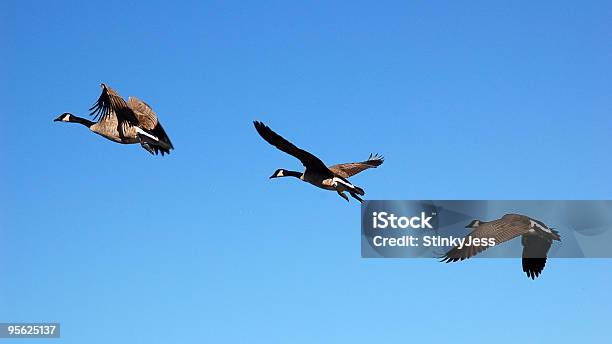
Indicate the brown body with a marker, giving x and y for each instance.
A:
(112, 129)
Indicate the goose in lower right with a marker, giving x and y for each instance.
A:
(317, 173)
(536, 238)
(124, 122)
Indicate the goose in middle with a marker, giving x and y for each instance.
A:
(316, 172)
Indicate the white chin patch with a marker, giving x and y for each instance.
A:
(280, 174)
(66, 119)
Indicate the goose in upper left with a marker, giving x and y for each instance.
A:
(317, 173)
(124, 122)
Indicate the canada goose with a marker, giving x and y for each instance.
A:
(316, 173)
(118, 121)
(536, 238)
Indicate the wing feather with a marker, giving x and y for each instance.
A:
(352, 168)
(147, 119)
(110, 103)
(307, 159)
(535, 249)
(501, 230)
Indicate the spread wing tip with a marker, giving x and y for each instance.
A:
(533, 267)
(261, 128)
(101, 107)
(448, 259)
(375, 160)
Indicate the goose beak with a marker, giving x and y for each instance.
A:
(59, 119)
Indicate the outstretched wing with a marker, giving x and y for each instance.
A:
(110, 103)
(535, 249)
(500, 230)
(352, 168)
(147, 119)
(307, 159)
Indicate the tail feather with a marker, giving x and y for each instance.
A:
(358, 190)
(349, 185)
(154, 146)
(356, 197)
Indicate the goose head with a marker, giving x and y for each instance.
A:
(65, 117)
(279, 173)
(474, 224)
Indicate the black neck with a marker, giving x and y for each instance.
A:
(80, 120)
(292, 174)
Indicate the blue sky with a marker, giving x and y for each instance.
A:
(470, 100)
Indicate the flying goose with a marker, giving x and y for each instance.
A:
(316, 173)
(536, 238)
(118, 121)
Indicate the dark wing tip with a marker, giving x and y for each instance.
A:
(532, 274)
(267, 134)
(261, 128)
(533, 267)
(101, 107)
(448, 259)
(163, 137)
(375, 160)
